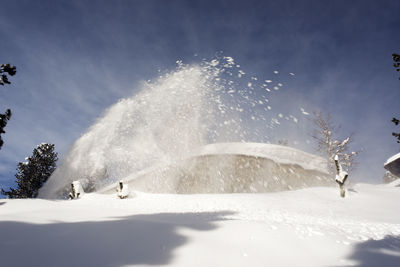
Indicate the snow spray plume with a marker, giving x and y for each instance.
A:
(167, 121)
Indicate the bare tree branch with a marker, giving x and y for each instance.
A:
(328, 146)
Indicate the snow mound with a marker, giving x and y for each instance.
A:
(234, 168)
(279, 154)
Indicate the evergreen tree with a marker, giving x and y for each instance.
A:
(34, 172)
(396, 135)
(4, 70)
(396, 64)
(4, 118)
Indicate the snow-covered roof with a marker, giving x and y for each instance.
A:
(393, 164)
(277, 153)
(392, 158)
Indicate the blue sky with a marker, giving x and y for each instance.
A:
(76, 58)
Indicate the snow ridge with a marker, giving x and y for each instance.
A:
(279, 154)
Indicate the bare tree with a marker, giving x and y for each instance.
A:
(328, 146)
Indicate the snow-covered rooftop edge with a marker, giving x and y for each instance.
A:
(392, 158)
(277, 153)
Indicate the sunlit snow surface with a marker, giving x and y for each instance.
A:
(308, 227)
(168, 121)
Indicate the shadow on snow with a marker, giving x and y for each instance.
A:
(385, 252)
(139, 239)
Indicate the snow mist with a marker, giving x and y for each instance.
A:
(167, 121)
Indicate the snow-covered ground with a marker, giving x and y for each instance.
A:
(307, 227)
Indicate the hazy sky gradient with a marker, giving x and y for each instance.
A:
(76, 58)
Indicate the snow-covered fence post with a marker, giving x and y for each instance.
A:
(341, 176)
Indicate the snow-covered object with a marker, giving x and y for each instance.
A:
(393, 158)
(123, 190)
(235, 168)
(393, 164)
(341, 175)
(76, 190)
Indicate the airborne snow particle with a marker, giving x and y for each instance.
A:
(304, 112)
(276, 72)
(275, 121)
(230, 60)
(214, 62)
(291, 73)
